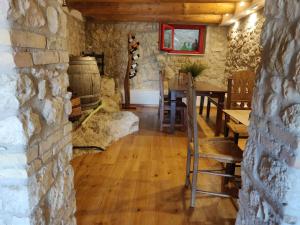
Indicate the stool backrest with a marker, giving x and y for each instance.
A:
(192, 112)
(240, 90)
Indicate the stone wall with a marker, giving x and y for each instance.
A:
(244, 50)
(214, 57)
(112, 40)
(36, 179)
(271, 167)
(76, 32)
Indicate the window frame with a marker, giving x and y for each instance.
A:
(173, 27)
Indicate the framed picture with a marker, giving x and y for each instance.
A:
(182, 39)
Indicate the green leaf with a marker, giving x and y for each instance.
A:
(194, 68)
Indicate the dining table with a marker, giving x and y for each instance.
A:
(178, 89)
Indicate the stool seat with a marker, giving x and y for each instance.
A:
(219, 149)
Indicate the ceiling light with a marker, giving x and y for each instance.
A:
(242, 4)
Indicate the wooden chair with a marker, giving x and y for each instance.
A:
(239, 96)
(219, 149)
(182, 77)
(240, 91)
(165, 107)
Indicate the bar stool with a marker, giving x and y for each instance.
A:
(221, 150)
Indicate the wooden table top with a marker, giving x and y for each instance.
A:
(200, 86)
(240, 115)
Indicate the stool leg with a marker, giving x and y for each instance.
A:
(194, 179)
(182, 119)
(159, 105)
(188, 167)
(161, 118)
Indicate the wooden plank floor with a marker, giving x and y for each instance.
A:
(139, 180)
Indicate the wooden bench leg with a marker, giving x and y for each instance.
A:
(229, 169)
(226, 131)
(236, 138)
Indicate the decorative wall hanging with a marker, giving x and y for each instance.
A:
(132, 66)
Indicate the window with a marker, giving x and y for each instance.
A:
(182, 39)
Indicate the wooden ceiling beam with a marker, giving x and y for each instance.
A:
(199, 19)
(155, 9)
(155, 1)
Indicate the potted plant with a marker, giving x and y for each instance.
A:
(194, 68)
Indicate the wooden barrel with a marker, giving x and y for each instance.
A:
(76, 109)
(85, 81)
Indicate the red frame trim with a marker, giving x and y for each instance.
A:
(201, 44)
(163, 28)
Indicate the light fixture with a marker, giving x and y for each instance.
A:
(227, 14)
(242, 4)
(64, 3)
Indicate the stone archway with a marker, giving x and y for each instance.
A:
(270, 171)
(35, 141)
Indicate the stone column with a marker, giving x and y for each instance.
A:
(271, 166)
(36, 179)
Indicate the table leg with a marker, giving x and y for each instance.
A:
(202, 98)
(173, 112)
(220, 107)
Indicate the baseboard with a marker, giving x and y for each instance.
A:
(150, 97)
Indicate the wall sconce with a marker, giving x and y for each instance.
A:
(64, 3)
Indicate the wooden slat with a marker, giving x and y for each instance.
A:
(209, 8)
(202, 19)
(153, 9)
(139, 180)
(156, 1)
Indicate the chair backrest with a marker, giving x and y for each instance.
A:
(192, 112)
(240, 90)
(182, 77)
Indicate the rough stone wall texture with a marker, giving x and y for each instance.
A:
(36, 179)
(271, 167)
(214, 57)
(244, 49)
(76, 32)
(112, 40)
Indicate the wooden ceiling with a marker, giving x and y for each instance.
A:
(179, 11)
